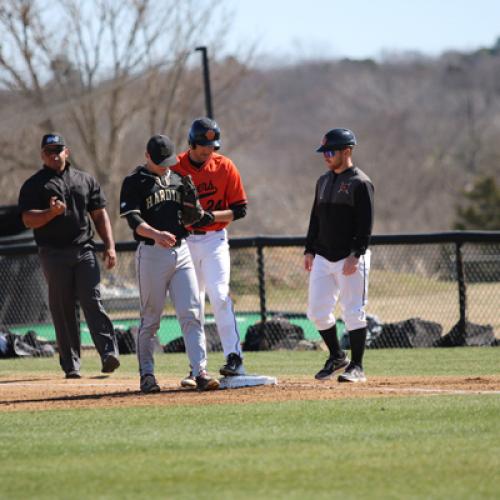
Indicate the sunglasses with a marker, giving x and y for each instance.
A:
(53, 150)
(329, 154)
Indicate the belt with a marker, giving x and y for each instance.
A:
(200, 233)
(177, 243)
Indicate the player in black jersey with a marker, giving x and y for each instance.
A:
(153, 199)
(337, 254)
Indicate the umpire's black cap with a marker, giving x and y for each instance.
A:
(162, 151)
(53, 139)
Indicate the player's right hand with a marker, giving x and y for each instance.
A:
(165, 239)
(57, 207)
(308, 261)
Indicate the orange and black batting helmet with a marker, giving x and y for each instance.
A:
(205, 132)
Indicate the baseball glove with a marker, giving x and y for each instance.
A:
(191, 207)
(206, 220)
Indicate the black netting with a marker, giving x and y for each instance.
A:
(420, 294)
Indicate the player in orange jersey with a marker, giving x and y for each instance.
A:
(223, 198)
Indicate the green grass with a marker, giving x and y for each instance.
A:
(434, 447)
(400, 447)
(470, 361)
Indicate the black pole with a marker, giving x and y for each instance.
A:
(461, 289)
(206, 82)
(262, 283)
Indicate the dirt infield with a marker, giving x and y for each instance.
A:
(50, 393)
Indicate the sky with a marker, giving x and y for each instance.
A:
(293, 29)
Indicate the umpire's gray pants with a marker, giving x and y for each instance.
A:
(162, 271)
(72, 275)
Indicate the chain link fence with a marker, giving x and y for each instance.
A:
(423, 288)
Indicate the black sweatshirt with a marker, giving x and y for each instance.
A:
(342, 215)
(157, 200)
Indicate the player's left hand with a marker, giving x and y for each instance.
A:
(207, 219)
(192, 210)
(109, 258)
(350, 265)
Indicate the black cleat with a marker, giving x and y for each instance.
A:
(149, 384)
(73, 374)
(233, 366)
(332, 365)
(110, 363)
(205, 382)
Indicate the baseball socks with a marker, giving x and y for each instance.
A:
(357, 339)
(332, 342)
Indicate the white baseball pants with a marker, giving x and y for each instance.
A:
(211, 259)
(327, 285)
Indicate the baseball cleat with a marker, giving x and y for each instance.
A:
(332, 365)
(110, 363)
(233, 366)
(149, 384)
(189, 382)
(353, 373)
(73, 374)
(205, 382)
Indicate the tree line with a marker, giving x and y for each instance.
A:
(110, 75)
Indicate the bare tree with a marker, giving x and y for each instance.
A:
(94, 70)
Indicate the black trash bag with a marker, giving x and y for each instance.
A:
(20, 346)
(373, 330)
(42, 347)
(212, 339)
(212, 336)
(413, 332)
(475, 335)
(276, 333)
(176, 345)
(126, 340)
(4, 345)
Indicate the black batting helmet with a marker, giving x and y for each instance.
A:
(205, 132)
(337, 138)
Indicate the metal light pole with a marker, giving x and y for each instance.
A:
(206, 82)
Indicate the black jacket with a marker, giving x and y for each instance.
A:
(342, 215)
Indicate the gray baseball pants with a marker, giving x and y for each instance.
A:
(162, 271)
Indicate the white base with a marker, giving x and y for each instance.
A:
(246, 381)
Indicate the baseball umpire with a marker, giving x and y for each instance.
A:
(223, 198)
(56, 203)
(337, 254)
(158, 203)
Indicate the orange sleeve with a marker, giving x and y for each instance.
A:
(235, 192)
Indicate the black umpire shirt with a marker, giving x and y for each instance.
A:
(157, 200)
(81, 194)
(342, 215)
